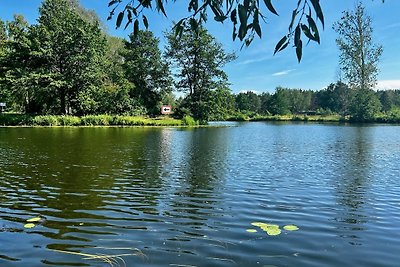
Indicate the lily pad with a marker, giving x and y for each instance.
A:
(259, 224)
(251, 230)
(273, 231)
(291, 228)
(36, 219)
(29, 225)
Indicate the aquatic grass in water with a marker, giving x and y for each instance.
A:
(111, 259)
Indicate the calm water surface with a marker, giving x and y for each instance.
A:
(185, 197)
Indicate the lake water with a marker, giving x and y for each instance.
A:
(186, 197)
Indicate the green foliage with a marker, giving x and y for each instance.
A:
(45, 120)
(248, 101)
(69, 121)
(15, 119)
(359, 56)
(245, 16)
(335, 98)
(145, 68)
(96, 120)
(198, 60)
(189, 121)
(280, 102)
(364, 106)
(90, 120)
(221, 103)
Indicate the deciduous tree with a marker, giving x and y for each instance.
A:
(197, 59)
(359, 58)
(145, 68)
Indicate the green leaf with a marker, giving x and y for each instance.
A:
(257, 28)
(220, 18)
(110, 16)
(314, 28)
(294, 14)
(234, 34)
(29, 225)
(145, 22)
(136, 27)
(280, 44)
(299, 50)
(193, 24)
(318, 11)
(179, 27)
(36, 219)
(242, 31)
(120, 18)
(193, 5)
(234, 16)
(251, 230)
(160, 7)
(256, 24)
(297, 35)
(259, 224)
(216, 10)
(308, 33)
(129, 19)
(111, 3)
(273, 231)
(242, 14)
(290, 227)
(270, 7)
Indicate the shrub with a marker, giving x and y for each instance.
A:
(69, 121)
(15, 119)
(46, 120)
(95, 120)
(188, 121)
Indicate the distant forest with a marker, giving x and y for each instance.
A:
(67, 64)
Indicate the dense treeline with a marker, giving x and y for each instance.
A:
(337, 98)
(67, 65)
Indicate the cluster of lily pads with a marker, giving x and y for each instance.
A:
(271, 229)
(30, 222)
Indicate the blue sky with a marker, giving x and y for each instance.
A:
(256, 68)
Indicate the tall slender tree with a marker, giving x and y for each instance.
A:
(359, 58)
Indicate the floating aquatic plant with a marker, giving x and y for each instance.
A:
(290, 227)
(272, 229)
(36, 219)
(29, 225)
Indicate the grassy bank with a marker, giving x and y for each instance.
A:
(91, 120)
(389, 117)
(311, 118)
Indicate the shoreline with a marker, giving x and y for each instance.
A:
(119, 121)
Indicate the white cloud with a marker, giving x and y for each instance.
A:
(388, 84)
(285, 72)
(254, 60)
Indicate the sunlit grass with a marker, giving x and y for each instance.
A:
(110, 259)
(90, 120)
